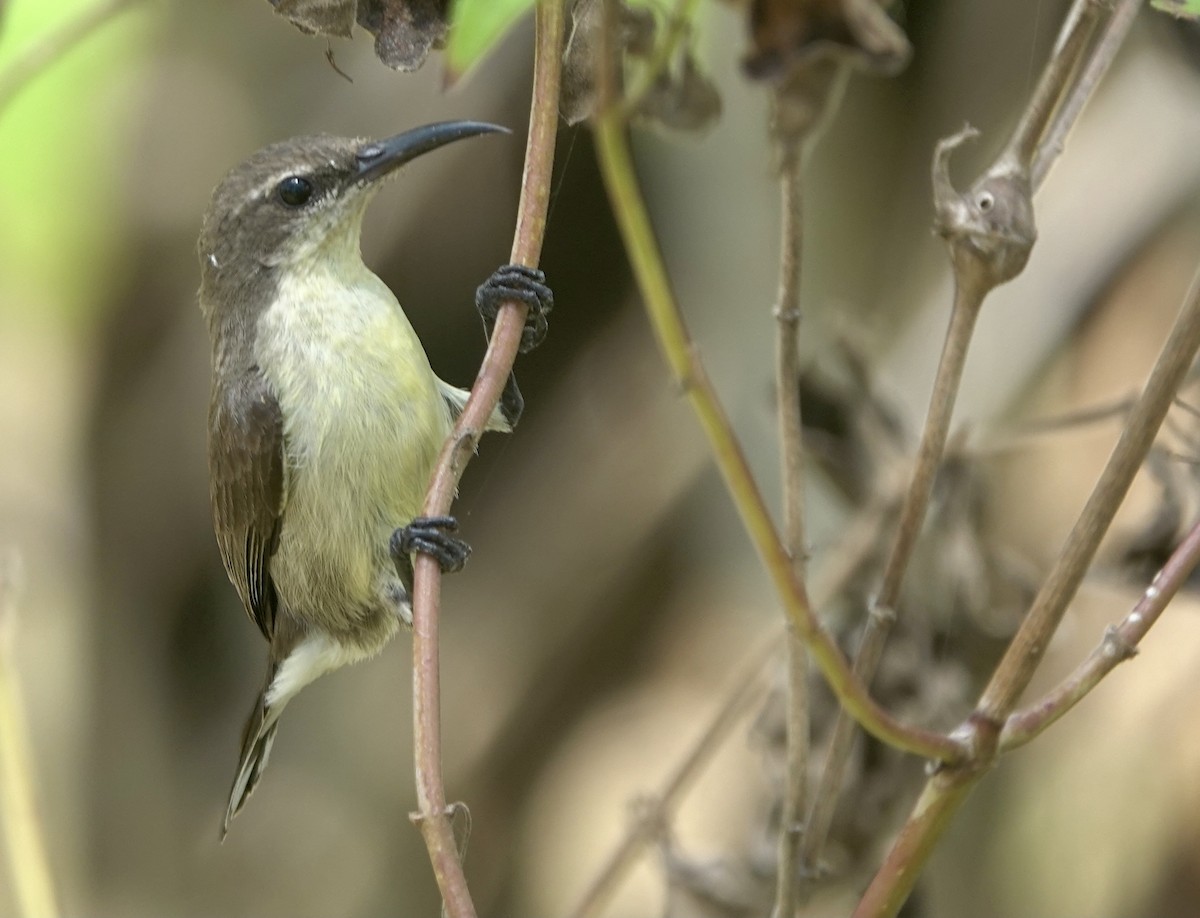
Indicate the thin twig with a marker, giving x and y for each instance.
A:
(42, 55)
(641, 246)
(1113, 35)
(432, 816)
(983, 259)
(791, 447)
(949, 787)
(1119, 644)
(988, 246)
(654, 812)
(882, 615)
(1056, 79)
(30, 867)
(1027, 648)
(842, 563)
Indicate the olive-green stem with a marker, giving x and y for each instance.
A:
(842, 563)
(642, 249)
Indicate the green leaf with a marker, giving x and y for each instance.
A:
(1184, 9)
(476, 25)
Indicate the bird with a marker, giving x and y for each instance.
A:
(325, 417)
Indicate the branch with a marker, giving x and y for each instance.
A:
(947, 789)
(42, 55)
(989, 231)
(843, 562)
(1119, 644)
(791, 445)
(30, 868)
(685, 365)
(1056, 79)
(456, 453)
(655, 812)
(1115, 30)
(1016, 669)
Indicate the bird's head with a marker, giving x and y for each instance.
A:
(291, 199)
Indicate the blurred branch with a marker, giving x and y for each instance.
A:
(655, 812)
(949, 787)
(432, 817)
(633, 221)
(22, 826)
(844, 560)
(1016, 669)
(989, 245)
(990, 232)
(43, 54)
(1119, 644)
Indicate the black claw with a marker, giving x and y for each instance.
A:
(430, 535)
(524, 285)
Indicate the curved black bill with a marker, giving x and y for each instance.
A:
(379, 157)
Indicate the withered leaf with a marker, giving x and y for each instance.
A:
(680, 97)
(685, 100)
(404, 30)
(785, 33)
(318, 17)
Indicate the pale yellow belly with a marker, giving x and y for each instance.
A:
(364, 420)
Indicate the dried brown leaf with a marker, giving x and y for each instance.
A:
(404, 30)
(683, 101)
(318, 17)
(785, 33)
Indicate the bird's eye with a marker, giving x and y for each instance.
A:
(295, 191)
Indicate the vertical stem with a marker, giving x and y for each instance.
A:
(1080, 23)
(432, 816)
(1111, 39)
(629, 208)
(968, 299)
(787, 384)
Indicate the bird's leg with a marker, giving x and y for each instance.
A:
(431, 535)
(524, 285)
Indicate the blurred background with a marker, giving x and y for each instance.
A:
(612, 594)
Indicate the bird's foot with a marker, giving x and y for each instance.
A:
(517, 283)
(431, 535)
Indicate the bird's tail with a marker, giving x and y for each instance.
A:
(257, 738)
